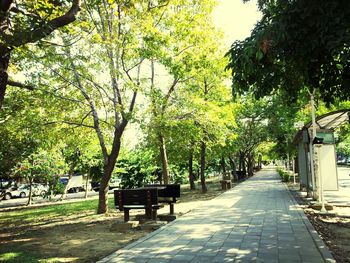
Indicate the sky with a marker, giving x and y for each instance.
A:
(236, 19)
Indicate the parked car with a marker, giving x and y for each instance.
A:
(21, 191)
(113, 183)
(76, 183)
(39, 189)
(5, 183)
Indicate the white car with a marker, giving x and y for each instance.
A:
(39, 189)
(114, 183)
(23, 191)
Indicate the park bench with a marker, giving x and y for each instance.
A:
(167, 193)
(240, 175)
(226, 182)
(140, 198)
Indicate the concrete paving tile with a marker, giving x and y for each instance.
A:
(259, 226)
(183, 258)
(158, 260)
(219, 259)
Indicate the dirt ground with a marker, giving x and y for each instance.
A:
(334, 229)
(87, 238)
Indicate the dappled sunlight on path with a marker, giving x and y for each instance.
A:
(255, 221)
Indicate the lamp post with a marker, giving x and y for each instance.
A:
(288, 168)
(311, 148)
(318, 143)
(286, 136)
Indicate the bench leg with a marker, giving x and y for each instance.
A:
(126, 215)
(171, 209)
(154, 214)
(148, 213)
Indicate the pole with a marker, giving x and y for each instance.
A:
(311, 149)
(323, 208)
(288, 167)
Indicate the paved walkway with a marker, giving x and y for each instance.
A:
(257, 221)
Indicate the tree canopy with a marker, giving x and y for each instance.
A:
(296, 45)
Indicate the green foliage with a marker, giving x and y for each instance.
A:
(43, 167)
(20, 257)
(296, 44)
(136, 169)
(285, 176)
(178, 174)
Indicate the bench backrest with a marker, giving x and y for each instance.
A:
(240, 174)
(226, 176)
(142, 197)
(170, 190)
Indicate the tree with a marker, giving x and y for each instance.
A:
(119, 36)
(251, 131)
(296, 45)
(40, 166)
(179, 57)
(24, 22)
(214, 113)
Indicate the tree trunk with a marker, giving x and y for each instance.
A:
(87, 185)
(66, 188)
(4, 63)
(233, 167)
(240, 163)
(223, 166)
(30, 192)
(203, 149)
(164, 159)
(259, 161)
(250, 164)
(108, 168)
(190, 170)
(104, 187)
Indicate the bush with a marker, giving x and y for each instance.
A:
(285, 176)
(178, 175)
(137, 169)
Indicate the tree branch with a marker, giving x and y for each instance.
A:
(23, 37)
(70, 123)
(170, 91)
(19, 85)
(150, 6)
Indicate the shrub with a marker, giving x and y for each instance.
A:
(285, 176)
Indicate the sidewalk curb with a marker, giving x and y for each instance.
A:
(321, 246)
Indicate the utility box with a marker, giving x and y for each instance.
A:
(324, 155)
(323, 149)
(328, 167)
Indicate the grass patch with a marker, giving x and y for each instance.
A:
(19, 257)
(49, 213)
(62, 232)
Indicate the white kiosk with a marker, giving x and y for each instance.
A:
(324, 156)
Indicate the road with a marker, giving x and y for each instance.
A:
(342, 196)
(16, 202)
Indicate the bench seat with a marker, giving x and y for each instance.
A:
(141, 198)
(167, 193)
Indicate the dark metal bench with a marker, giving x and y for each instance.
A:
(226, 181)
(240, 175)
(141, 198)
(167, 193)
